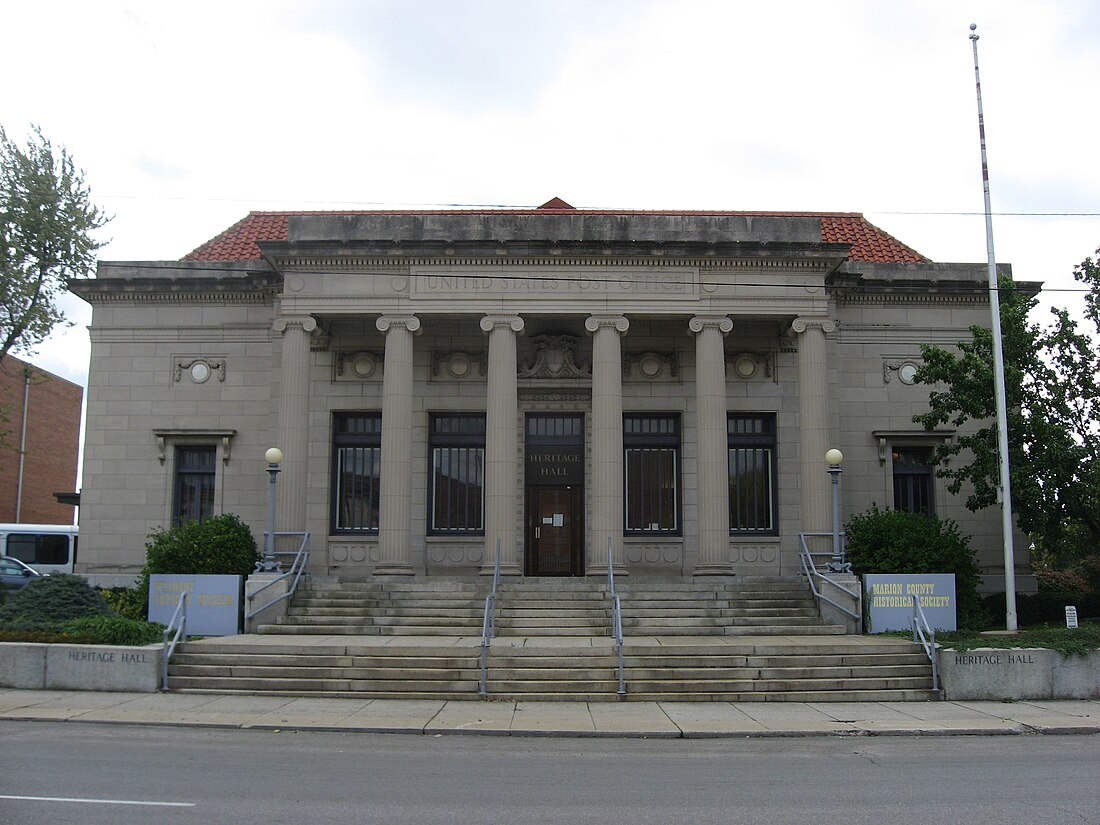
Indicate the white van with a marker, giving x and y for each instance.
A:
(48, 548)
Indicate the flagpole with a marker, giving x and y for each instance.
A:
(998, 368)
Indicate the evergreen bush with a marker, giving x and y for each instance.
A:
(893, 541)
(114, 630)
(47, 600)
(129, 602)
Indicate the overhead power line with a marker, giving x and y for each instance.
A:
(429, 205)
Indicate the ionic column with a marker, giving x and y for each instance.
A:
(501, 444)
(713, 464)
(813, 415)
(394, 517)
(292, 433)
(607, 441)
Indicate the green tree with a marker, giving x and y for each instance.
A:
(46, 225)
(1053, 399)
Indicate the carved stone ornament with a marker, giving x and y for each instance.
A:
(800, 325)
(167, 437)
(555, 357)
(750, 365)
(652, 366)
(359, 365)
(199, 370)
(906, 371)
(458, 365)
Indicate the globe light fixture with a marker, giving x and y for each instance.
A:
(838, 564)
(268, 564)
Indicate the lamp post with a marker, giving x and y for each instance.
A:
(268, 564)
(833, 459)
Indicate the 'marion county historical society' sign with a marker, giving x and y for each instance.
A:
(213, 602)
(889, 599)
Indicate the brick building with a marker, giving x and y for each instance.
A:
(52, 406)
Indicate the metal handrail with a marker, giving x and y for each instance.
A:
(178, 623)
(616, 618)
(810, 571)
(925, 636)
(489, 627)
(298, 568)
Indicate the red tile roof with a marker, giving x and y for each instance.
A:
(869, 243)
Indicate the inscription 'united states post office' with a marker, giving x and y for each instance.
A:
(669, 284)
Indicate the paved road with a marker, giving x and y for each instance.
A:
(117, 773)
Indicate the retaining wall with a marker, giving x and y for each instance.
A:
(1018, 673)
(80, 667)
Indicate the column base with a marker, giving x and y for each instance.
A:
(713, 569)
(396, 570)
(506, 570)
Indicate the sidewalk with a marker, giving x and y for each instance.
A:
(584, 719)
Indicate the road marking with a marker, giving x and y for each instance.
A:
(100, 801)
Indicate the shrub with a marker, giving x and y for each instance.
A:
(1061, 581)
(892, 541)
(221, 545)
(129, 602)
(1044, 607)
(1090, 571)
(51, 599)
(114, 630)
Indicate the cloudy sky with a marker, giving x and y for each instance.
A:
(186, 116)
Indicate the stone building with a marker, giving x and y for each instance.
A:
(40, 412)
(551, 380)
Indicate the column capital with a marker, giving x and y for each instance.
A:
(616, 322)
(800, 325)
(307, 323)
(513, 322)
(409, 322)
(722, 323)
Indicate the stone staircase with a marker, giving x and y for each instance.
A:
(436, 608)
(755, 640)
(760, 606)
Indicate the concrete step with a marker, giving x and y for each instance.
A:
(395, 688)
(427, 663)
(384, 605)
(786, 630)
(368, 630)
(586, 621)
(520, 609)
(708, 672)
(411, 612)
(790, 696)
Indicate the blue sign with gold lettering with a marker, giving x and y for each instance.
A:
(213, 602)
(889, 600)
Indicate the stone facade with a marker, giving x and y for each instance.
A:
(52, 415)
(289, 327)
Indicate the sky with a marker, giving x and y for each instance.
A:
(186, 116)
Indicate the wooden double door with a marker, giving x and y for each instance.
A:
(555, 531)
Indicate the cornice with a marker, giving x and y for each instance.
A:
(254, 298)
(889, 298)
(406, 262)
